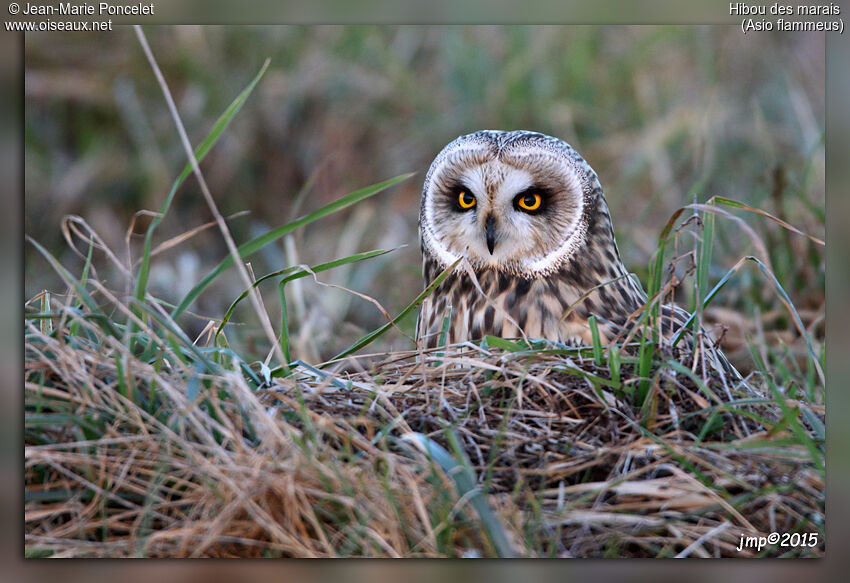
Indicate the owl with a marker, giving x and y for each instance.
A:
(527, 214)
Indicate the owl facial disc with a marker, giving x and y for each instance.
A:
(510, 201)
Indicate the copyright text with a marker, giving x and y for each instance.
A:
(85, 9)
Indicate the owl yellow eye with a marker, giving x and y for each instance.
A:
(530, 202)
(465, 200)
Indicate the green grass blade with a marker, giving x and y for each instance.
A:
(789, 305)
(200, 152)
(803, 437)
(259, 242)
(444, 329)
(104, 322)
(707, 300)
(645, 356)
(284, 327)
(296, 272)
(597, 344)
(85, 276)
(739, 205)
(178, 334)
(614, 363)
(594, 379)
(682, 369)
(789, 447)
(504, 344)
(299, 273)
(443, 339)
(75, 326)
(817, 425)
(374, 335)
(656, 266)
(464, 479)
(704, 261)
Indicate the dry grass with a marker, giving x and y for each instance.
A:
(129, 458)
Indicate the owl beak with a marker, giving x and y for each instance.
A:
(490, 233)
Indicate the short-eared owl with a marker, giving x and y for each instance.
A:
(528, 214)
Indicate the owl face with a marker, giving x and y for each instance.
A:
(510, 201)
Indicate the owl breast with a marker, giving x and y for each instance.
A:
(554, 307)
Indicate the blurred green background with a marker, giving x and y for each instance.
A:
(663, 114)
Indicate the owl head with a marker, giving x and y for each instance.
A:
(513, 201)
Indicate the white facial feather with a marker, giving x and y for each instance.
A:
(574, 240)
(476, 162)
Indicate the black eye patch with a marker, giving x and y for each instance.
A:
(532, 201)
(461, 198)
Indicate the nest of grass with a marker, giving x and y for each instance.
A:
(467, 451)
(542, 433)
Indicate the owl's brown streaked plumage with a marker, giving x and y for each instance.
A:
(528, 215)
